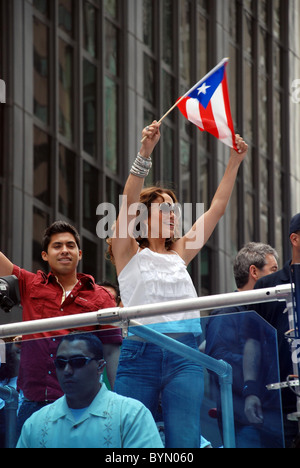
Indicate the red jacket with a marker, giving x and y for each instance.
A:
(41, 297)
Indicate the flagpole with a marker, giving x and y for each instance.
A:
(225, 60)
(166, 114)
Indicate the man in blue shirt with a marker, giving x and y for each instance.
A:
(88, 415)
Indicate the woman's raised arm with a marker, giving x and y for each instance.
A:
(124, 245)
(191, 244)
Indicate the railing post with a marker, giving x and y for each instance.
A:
(225, 381)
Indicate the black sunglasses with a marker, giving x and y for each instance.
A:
(75, 362)
(167, 208)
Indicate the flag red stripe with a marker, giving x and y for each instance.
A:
(228, 110)
(208, 120)
(216, 118)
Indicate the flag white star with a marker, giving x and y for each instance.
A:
(202, 89)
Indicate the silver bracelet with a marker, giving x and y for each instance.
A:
(141, 166)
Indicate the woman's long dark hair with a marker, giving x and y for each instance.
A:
(147, 197)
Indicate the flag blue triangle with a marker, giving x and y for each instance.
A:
(204, 92)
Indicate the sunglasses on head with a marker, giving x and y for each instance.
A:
(75, 362)
(167, 208)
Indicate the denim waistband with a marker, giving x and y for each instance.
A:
(188, 339)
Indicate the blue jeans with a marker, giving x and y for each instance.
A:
(147, 373)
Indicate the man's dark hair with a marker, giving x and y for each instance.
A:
(93, 343)
(59, 227)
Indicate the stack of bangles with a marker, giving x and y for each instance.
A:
(141, 166)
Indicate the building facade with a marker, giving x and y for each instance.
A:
(83, 77)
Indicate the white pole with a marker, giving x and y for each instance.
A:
(119, 315)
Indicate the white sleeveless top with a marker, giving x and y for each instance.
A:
(151, 278)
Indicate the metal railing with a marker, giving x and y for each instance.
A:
(122, 316)
(125, 317)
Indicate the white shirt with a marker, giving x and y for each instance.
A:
(111, 421)
(151, 278)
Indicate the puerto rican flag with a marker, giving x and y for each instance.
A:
(207, 105)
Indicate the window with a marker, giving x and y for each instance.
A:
(78, 118)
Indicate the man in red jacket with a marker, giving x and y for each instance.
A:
(62, 292)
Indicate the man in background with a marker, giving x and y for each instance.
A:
(226, 335)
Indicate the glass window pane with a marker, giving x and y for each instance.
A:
(90, 196)
(232, 20)
(264, 192)
(203, 4)
(234, 218)
(66, 97)
(42, 6)
(90, 28)
(89, 108)
(111, 128)
(149, 79)
(111, 48)
(263, 10)
(248, 110)
(111, 7)
(248, 34)
(168, 151)
(169, 98)
(41, 71)
(113, 190)
(277, 18)
(40, 224)
(185, 171)
(248, 4)
(232, 82)
(202, 46)
(203, 182)
(89, 258)
(249, 218)
(248, 169)
(277, 64)
(263, 51)
(66, 12)
(110, 272)
(185, 42)
(67, 182)
(263, 115)
(148, 23)
(168, 35)
(42, 166)
(277, 128)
